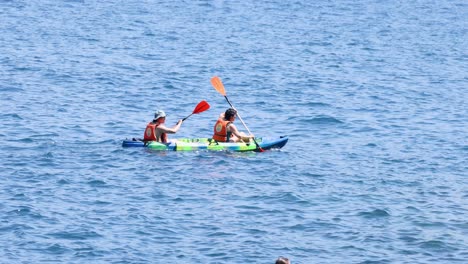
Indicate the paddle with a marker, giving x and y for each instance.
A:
(201, 107)
(218, 85)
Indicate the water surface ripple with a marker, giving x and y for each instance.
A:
(371, 93)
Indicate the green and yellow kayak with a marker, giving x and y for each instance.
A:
(194, 144)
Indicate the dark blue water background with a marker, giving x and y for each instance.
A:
(373, 95)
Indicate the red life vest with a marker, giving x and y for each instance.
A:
(220, 131)
(150, 133)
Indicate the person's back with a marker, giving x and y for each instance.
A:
(151, 133)
(221, 131)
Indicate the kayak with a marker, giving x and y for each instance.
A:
(194, 144)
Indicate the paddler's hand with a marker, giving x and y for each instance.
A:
(179, 122)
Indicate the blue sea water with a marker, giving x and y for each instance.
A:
(373, 95)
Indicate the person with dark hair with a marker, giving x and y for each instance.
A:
(282, 260)
(157, 131)
(226, 131)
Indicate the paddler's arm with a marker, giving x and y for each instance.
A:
(171, 130)
(239, 135)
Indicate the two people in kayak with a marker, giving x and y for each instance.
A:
(224, 129)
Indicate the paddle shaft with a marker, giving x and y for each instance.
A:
(240, 118)
(187, 117)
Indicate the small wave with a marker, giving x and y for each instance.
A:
(46, 135)
(47, 156)
(221, 234)
(379, 261)
(303, 228)
(26, 69)
(365, 129)
(292, 198)
(25, 211)
(11, 89)
(96, 183)
(63, 181)
(24, 140)
(15, 227)
(431, 224)
(56, 249)
(102, 142)
(324, 120)
(318, 120)
(78, 235)
(374, 214)
(317, 104)
(436, 246)
(408, 239)
(248, 207)
(99, 202)
(413, 209)
(12, 116)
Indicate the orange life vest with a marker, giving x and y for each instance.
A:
(150, 133)
(220, 131)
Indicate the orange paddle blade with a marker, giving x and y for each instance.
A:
(201, 107)
(218, 85)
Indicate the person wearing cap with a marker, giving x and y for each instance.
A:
(156, 130)
(226, 131)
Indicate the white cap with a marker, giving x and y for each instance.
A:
(159, 114)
